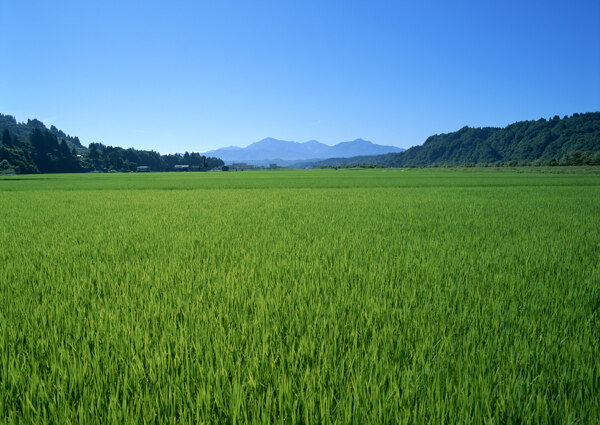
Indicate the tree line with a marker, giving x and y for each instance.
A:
(106, 158)
(542, 141)
(40, 153)
(23, 130)
(573, 140)
(28, 148)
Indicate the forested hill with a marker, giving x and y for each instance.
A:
(570, 141)
(23, 130)
(31, 147)
(541, 140)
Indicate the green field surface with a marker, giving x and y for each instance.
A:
(383, 296)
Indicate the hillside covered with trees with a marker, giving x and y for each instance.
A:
(571, 140)
(31, 147)
(24, 130)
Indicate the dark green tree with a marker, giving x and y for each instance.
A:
(6, 139)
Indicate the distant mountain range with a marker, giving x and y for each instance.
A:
(283, 152)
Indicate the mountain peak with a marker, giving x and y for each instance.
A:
(358, 142)
(268, 140)
(313, 142)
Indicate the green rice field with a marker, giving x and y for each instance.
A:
(382, 296)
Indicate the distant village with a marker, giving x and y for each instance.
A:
(236, 166)
(239, 166)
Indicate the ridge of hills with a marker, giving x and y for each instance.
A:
(574, 140)
(30, 147)
(23, 130)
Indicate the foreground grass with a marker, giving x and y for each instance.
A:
(372, 296)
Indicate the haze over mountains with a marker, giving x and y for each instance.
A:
(282, 152)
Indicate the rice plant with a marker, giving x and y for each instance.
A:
(325, 297)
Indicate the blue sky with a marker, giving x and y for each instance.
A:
(197, 75)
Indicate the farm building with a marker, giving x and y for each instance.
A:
(241, 166)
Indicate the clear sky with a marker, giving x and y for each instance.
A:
(197, 75)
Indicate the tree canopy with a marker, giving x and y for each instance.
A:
(33, 148)
(571, 140)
